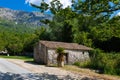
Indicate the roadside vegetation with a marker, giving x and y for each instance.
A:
(25, 58)
(107, 63)
(90, 72)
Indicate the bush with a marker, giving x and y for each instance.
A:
(108, 63)
(98, 59)
(77, 64)
(82, 64)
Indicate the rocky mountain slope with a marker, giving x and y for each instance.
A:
(29, 18)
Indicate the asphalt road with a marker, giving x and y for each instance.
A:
(6, 66)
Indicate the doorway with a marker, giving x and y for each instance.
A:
(66, 58)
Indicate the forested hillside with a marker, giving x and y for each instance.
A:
(16, 37)
(18, 30)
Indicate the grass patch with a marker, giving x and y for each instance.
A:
(89, 72)
(76, 69)
(26, 58)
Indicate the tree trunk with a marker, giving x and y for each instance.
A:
(62, 64)
(60, 60)
(58, 63)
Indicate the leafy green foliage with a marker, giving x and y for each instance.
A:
(61, 26)
(96, 7)
(87, 22)
(60, 50)
(82, 38)
(105, 63)
(83, 64)
(16, 37)
(54, 6)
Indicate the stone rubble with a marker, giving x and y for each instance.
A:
(39, 76)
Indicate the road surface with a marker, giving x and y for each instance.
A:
(32, 70)
(6, 66)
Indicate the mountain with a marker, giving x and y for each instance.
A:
(22, 17)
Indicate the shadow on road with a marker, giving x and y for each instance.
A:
(34, 63)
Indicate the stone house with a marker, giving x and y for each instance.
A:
(44, 52)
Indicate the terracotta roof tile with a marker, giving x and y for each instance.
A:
(54, 45)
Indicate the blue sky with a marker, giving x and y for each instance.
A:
(17, 5)
(24, 4)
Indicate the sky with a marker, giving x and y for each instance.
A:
(17, 5)
(25, 4)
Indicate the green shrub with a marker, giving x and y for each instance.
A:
(60, 50)
(98, 59)
(82, 64)
(108, 63)
(109, 68)
(77, 64)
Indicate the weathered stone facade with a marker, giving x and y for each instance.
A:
(72, 56)
(47, 55)
(40, 54)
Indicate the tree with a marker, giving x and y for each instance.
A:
(16, 38)
(86, 22)
(96, 7)
(55, 6)
(42, 33)
(61, 25)
(60, 57)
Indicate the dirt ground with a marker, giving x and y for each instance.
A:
(35, 68)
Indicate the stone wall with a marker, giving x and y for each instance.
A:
(73, 56)
(40, 54)
(77, 55)
(52, 57)
(36, 53)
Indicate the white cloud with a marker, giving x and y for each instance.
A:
(65, 3)
(118, 14)
(37, 2)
